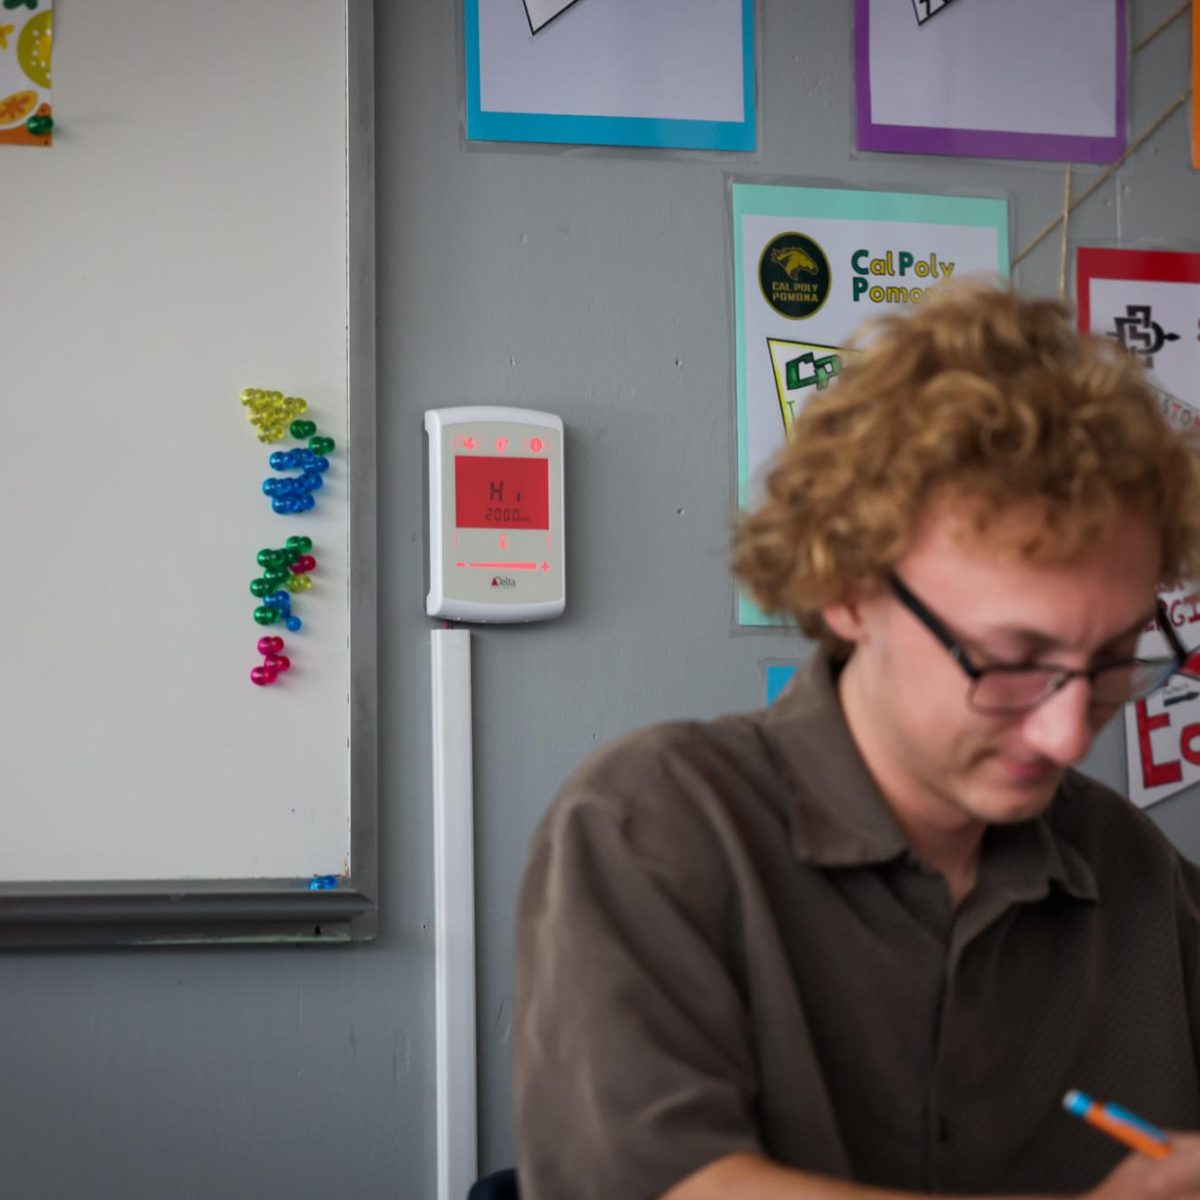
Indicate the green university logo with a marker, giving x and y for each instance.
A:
(793, 274)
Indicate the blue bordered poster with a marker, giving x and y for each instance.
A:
(612, 73)
(811, 265)
(776, 677)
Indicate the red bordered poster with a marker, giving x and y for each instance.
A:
(1149, 301)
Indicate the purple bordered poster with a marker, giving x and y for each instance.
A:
(1018, 79)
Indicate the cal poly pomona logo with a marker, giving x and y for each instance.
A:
(793, 273)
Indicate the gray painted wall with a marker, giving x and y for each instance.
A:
(595, 285)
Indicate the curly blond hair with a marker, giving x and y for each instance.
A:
(984, 392)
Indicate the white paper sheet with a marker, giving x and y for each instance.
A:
(670, 59)
(928, 8)
(1021, 66)
(542, 12)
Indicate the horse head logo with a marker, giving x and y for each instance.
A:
(793, 260)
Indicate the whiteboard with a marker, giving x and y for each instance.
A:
(201, 225)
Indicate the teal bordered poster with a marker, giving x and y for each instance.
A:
(675, 74)
(810, 266)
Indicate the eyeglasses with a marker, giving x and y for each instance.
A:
(1006, 688)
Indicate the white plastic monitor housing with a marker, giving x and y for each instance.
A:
(496, 538)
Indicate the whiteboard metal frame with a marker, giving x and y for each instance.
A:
(175, 912)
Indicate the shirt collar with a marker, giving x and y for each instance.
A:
(838, 818)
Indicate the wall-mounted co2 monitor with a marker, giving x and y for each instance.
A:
(496, 539)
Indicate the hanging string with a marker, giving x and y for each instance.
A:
(1162, 25)
(1064, 218)
(1062, 244)
(1105, 175)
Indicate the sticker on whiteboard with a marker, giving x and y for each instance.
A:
(26, 38)
(928, 8)
(542, 12)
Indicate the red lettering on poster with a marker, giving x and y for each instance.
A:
(1187, 743)
(1157, 774)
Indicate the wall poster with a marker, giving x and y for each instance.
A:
(673, 74)
(1021, 79)
(810, 266)
(1149, 301)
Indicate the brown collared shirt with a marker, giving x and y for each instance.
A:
(725, 945)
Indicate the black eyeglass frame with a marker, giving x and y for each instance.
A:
(1060, 676)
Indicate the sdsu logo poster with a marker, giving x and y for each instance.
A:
(1149, 301)
(810, 266)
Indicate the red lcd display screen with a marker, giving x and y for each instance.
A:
(501, 493)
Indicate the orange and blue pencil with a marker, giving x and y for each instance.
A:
(1119, 1123)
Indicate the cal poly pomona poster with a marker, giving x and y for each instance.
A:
(810, 266)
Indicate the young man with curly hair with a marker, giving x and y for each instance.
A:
(859, 944)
